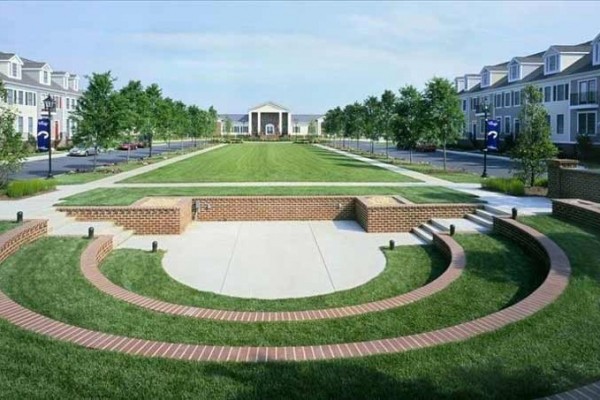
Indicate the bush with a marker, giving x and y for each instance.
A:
(512, 186)
(541, 182)
(29, 187)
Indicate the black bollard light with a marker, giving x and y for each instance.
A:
(154, 246)
(91, 232)
(514, 213)
(20, 217)
(392, 245)
(452, 230)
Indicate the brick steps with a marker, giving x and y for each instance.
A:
(554, 284)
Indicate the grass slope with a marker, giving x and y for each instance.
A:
(407, 268)
(53, 285)
(555, 350)
(128, 196)
(261, 162)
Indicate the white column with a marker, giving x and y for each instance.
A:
(280, 123)
(290, 128)
(259, 132)
(250, 123)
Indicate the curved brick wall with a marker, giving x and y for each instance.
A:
(25, 233)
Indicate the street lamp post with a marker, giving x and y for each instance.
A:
(50, 107)
(485, 150)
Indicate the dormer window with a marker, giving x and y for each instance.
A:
(65, 82)
(14, 70)
(485, 79)
(551, 64)
(514, 73)
(45, 78)
(597, 52)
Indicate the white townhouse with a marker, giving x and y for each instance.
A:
(28, 83)
(568, 77)
(271, 120)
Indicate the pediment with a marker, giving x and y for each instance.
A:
(268, 107)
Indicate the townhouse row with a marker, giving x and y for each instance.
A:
(28, 83)
(567, 76)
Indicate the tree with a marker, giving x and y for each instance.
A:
(333, 122)
(312, 128)
(99, 113)
(534, 145)
(387, 115)
(154, 98)
(166, 112)
(12, 151)
(372, 119)
(228, 125)
(409, 122)
(196, 120)
(136, 104)
(354, 120)
(181, 124)
(443, 112)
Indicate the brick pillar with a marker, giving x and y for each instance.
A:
(554, 175)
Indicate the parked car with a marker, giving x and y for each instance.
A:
(426, 147)
(83, 151)
(128, 146)
(140, 144)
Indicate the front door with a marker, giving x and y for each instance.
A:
(269, 129)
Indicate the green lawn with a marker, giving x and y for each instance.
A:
(555, 350)
(274, 162)
(406, 269)
(7, 225)
(449, 175)
(53, 285)
(128, 196)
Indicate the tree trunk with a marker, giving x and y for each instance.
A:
(387, 155)
(410, 155)
(444, 155)
(372, 146)
(95, 159)
(128, 146)
(357, 137)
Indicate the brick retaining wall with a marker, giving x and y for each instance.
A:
(22, 234)
(404, 217)
(526, 237)
(567, 182)
(167, 220)
(274, 208)
(581, 211)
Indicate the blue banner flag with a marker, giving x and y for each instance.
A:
(43, 134)
(492, 128)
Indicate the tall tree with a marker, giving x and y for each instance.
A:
(354, 120)
(372, 119)
(12, 151)
(99, 113)
(166, 113)
(228, 125)
(409, 121)
(136, 104)
(444, 115)
(534, 142)
(312, 128)
(333, 122)
(196, 120)
(180, 121)
(154, 98)
(388, 116)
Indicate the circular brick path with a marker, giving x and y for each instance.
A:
(552, 287)
(97, 250)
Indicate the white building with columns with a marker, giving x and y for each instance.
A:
(269, 119)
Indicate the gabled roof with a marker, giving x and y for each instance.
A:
(234, 117)
(6, 56)
(305, 118)
(503, 67)
(536, 58)
(269, 103)
(27, 80)
(30, 64)
(60, 73)
(585, 47)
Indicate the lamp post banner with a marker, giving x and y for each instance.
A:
(492, 127)
(43, 134)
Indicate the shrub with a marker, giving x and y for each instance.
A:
(541, 182)
(512, 186)
(29, 187)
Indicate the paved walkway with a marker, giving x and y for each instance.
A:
(275, 259)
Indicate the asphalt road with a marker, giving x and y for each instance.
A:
(39, 168)
(469, 163)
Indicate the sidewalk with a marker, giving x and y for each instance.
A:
(44, 156)
(473, 154)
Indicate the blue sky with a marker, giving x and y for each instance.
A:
(309, 56)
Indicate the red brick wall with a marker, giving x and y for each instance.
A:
(404, 217)
(141, 220)
(25, 233)
(274, 208)
(566, 182)
(524, 236)
(581, 212)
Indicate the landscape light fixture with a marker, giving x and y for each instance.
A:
(49, 107)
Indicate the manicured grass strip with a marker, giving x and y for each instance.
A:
(262, 162)
(552, 351)
(128, 196)
(7, 225)
(407, 268)
(498, 273)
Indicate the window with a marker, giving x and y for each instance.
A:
(560, 92)
(485, 79)
(10, 96)
(20, 124)
(597, 53)
(586, 123)
(65, 82)
(507, 99)
(483, 126)
(498, 100)
(464, 105)
(517, 98)
(547, 94)
(20, 97)
(587, 91)
(30, 124)
(29, 99)
(506, 126)
(514, 72)
(296, 129)
(46, 77)
(517, 129)
(560, 124)
(551, 64)
(34, 99)
(14, 70)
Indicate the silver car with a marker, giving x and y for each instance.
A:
(83, 151)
